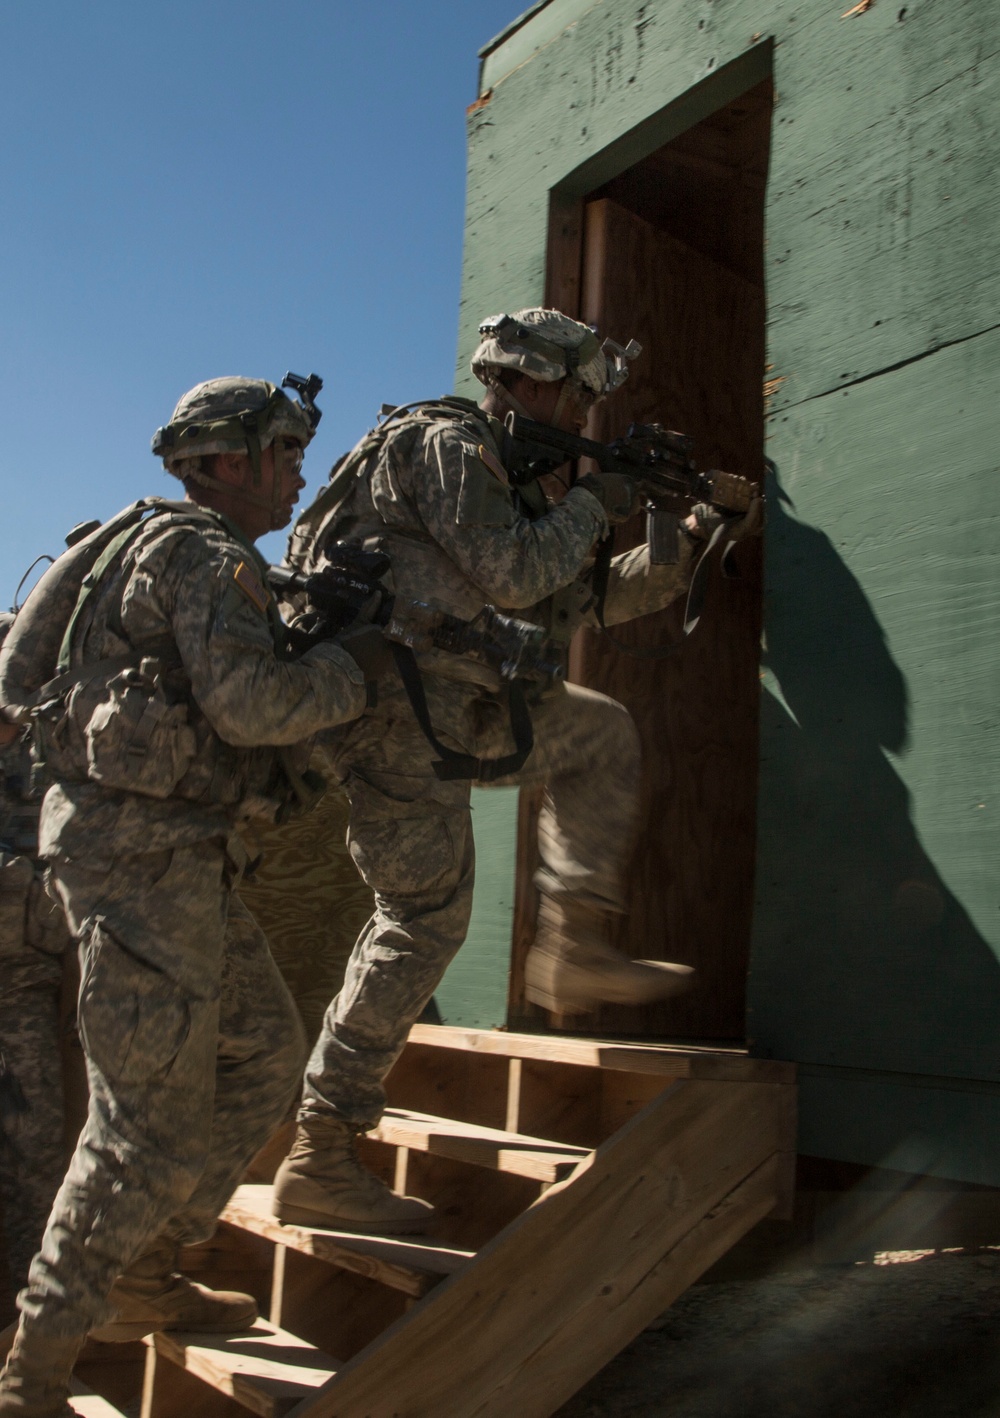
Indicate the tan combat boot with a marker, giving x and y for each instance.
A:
(152, 1296)
(36, 1376)
(322, 1183)
(571, 969)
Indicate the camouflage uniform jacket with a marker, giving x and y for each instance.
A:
(193, 585)
(19, 806)
(435, 494)
(19, 802)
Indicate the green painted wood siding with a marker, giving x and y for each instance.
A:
(877, 927)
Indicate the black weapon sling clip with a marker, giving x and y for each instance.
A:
(451, 765)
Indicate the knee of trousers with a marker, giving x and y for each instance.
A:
(416, 862)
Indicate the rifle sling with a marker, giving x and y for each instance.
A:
(450, 765)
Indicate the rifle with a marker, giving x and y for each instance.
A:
(349, 586)
(658, 459)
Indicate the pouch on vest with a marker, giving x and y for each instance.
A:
(120, 732)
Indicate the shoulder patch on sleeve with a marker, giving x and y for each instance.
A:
(494, 464)
(484, 500)
(246, 578)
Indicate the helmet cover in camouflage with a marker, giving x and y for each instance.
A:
(210, 419)
(547, 345)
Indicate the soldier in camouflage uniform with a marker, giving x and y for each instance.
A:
(430, 489)
(34, 941)
(169, 732)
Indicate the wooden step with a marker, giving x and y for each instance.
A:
(412, 1266)
(87, 1404)
(265, 1369)
(732, 1065)
(481, 1146)
(579, 1274)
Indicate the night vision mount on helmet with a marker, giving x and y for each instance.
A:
(237, 415)
(547, 345)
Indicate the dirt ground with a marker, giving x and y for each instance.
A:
(916, 1335)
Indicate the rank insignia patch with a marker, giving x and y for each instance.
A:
(494, 464)
(252, 587)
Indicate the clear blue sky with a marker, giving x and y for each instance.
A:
(205, 187)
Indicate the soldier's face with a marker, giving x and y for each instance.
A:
(281, 467)
(567, 412)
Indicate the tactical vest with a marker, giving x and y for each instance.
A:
(127, 722)
(343, 509)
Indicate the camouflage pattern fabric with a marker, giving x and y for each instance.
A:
(192, 1041)
(411, 839)
(193, 1054)
(437, 497)
(34, 941)
(310, 902)
(199, 586)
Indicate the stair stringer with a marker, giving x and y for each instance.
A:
(562, 1289)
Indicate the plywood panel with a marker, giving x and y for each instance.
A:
(690, 885)
(877, 935)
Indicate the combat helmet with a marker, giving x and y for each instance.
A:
(547, 345)
(236, 415)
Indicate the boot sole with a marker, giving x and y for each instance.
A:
(124, 1331)
(320, 1221)
(585, 1002)
(557, 1005)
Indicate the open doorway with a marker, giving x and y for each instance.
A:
(670, 251)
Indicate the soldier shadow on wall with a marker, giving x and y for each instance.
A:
(862, 955)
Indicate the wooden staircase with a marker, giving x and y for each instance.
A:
(581, 1187)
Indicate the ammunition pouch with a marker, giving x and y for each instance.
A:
(125, 731)
(119, 731)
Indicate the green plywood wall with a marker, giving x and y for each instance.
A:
(877, 925)
(474, 990)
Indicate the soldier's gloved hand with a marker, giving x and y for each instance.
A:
(369, 650)
(617, 493)
(703, 520)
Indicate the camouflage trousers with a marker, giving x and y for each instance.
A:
(193, 1050)
(411, 838)
(34, 941)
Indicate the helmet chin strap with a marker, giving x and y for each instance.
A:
(271, 504)
(565, 394)
(511, 400)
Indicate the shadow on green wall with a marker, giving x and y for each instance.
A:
(862, 956)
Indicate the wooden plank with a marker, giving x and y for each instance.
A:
(531, 1157)
(428, 1081)
(669, 1060)
(564, 253)
(563, 1101)
(612, 1317)
(85, 1403)
(265, 1369)
(622, 1212)
(330, 1307)
(410, 1266)
(169, 1392)
(113, 1370)
(473, 1204)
